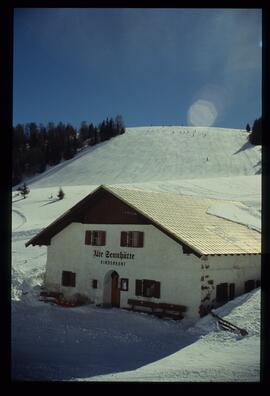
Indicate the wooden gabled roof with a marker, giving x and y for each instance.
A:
(184, 218)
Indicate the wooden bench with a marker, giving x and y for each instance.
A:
(173, 311)
(140, 303)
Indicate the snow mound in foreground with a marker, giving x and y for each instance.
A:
(243, 311)
(217, 355)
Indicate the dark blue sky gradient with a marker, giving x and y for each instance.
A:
(150, 65)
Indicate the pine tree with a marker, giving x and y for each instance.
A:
(60, 194)
(255, 137)
(83, 132)
(92, 135)
(120, 127)
(248, 128)
(24, 190)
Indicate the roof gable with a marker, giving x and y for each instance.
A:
(183, 218)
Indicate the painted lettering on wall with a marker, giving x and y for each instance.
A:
(110, 262)
(109, 254)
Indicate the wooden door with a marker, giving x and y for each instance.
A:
(115, 298)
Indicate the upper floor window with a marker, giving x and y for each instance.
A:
(132, 238)
(95, 238)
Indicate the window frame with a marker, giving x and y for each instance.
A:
(222, 292)
(143, 286)
(250, 285)
(133, 239)
(68, 279)
(124, 281)
(95, 237)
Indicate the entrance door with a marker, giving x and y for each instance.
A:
(115, 297)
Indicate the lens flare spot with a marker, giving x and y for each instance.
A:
(202, 113)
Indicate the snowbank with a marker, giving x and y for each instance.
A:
(217, 355)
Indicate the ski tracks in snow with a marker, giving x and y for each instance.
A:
(22, 218)
(21, 235)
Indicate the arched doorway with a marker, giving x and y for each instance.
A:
(115, 294)
(111, 291)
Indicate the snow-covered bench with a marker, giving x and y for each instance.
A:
(174, 311)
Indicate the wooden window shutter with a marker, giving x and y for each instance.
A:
(64, 278)
(102, 238)
(249, 285)
(88, 238)
(222, 292)
(157, 290)
(130, 239)
(123, 238)
(140, 239)
(231, 291)
(145, 287)
(72, 279)
(138, 291)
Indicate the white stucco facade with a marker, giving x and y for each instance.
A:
(185, 279)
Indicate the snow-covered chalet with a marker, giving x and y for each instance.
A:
(151, 251)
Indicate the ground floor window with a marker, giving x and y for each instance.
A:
(225, 292)
(147, 288)
(249, 285)
(94, 283)
(222, 292)
(68, 278)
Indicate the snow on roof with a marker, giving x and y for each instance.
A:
(186, 218)
(183, 217)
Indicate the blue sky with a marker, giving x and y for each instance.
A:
(152, 66)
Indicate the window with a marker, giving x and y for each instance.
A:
(147, 288)
(94, 284)
(124, 284)
(249, 285)
(95, 238)
(132, 238)
(68, 278)
(222, 292)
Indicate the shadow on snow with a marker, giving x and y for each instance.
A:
(246, 146)
(70, 343)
